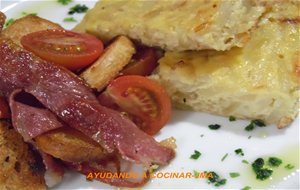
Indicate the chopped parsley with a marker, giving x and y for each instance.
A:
(250, 127)
(26, 14)
(259, 122)
(64, 2)
(254, 123)
(232, 118)
(196, 155)
(202, 135)
(9, 22)
(234, 174)
(239, 151)
(245, 161)
(78, 9)
(289, 166)
(196, 174)
(70, 19)
(220, 182)
(261, 172)
(216, 180)
(214, 127)
(258, 163)
(246, 188)
(224, 157)
(249, 137)
(274, 162)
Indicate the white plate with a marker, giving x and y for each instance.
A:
(187, 128)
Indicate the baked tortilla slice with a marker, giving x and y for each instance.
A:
(175, 25)
(259, 81)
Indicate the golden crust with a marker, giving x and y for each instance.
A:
(70, 145)
(26, 25)
(175, 25)
(2, 20)
(18, 169)
(260, 80)
(114, 58)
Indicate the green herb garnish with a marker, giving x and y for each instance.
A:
(254, 123)
(70, 19)
(259, 122)
(215, 177)
(246, 188)
(64, 2)
(274, 162)
(245, 161)
(289, 166)
(196, 155)
(261, 173)
(26, 14)
(78, 9)
(196, 174)
(9, 22)
(214, 127)
(232, 118)
(234, 174)
(216, 180)
(220, 182)
(224, 157)
(202, 135)
(239, 151)
(258, 163)
(250, 127)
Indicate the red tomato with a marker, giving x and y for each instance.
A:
(4, 110)
(142, 63)
(69, 49)
(143, 100)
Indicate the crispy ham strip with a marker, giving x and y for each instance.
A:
(72, 101)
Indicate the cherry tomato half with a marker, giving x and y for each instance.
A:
(69, 49)
(143, 100)
(4, 110)
(142, 63)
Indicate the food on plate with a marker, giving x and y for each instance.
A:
(4, 110)
(260, 80)
(116, 56)
(195, 25)
(70, 145)
(142, 63)
(257, 81)
(142, 99)
(2, 20)
(69, 49)
(54, 98)
(233, 58)
(26, 25)
(18, 167)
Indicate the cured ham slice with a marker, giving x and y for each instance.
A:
(30, 121)
(67, 96)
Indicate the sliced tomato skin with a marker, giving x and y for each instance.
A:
(69, 49)
(118, 93)
(4, 109)
(143, 62)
